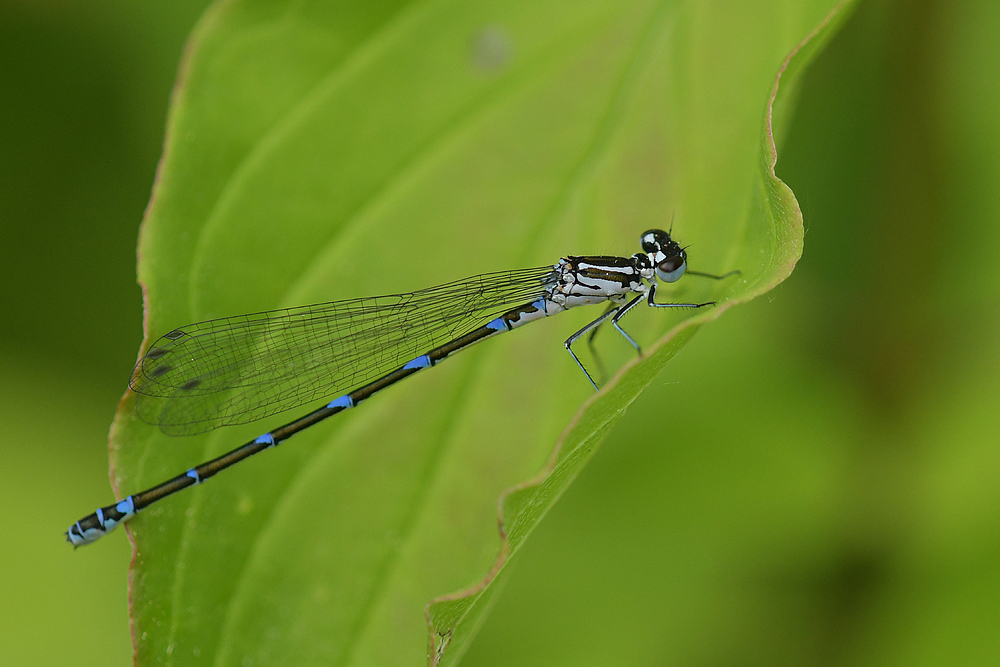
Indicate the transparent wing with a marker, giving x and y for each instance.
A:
(235, 370)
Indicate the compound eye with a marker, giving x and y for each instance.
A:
(653, 240)
(671, 269)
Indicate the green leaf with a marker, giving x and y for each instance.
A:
(317, 153)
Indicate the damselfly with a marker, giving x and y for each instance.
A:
(235, 370)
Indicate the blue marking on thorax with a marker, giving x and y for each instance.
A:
(344, 401)
(541, 305)
(100, 516)
(423, 361)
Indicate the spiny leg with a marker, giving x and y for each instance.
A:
(652, 302)
(618, 312)
(621, 312)
(652, 290)
(601, 368)
(650, 299)
(572, 339)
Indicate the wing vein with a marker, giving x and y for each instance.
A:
(235, 370)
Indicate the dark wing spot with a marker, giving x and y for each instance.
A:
(174, 335)
(191, 384)
(162, 369)
(156, 353)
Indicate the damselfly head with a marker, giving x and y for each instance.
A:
(666, 254)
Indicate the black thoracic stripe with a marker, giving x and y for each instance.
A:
(604, 268)
(602, 260)
(601, 274)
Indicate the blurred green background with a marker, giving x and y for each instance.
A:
(845, 512)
